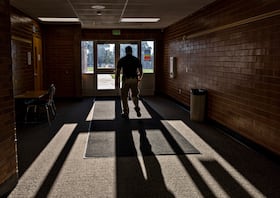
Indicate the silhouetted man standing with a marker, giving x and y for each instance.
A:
(132, 74)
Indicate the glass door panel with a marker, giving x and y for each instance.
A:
(106, 56)
(122, 53)
(105, 81)
(134, 49)
(99, 60)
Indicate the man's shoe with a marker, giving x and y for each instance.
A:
(137, 109)
(125, 116)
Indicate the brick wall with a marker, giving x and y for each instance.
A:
(8, 165)
(231, 48)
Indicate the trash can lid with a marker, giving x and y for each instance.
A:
(198, 91)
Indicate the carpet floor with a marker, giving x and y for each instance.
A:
(113, 135)
(52, 159)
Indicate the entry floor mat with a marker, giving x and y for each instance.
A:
(110, 135)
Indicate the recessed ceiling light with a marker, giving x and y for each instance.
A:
(98, 7)
(139, 20)
(57, 19)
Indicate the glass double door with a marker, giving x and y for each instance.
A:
(107, 56)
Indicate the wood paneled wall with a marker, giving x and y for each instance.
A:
(62, 53)
(232, 49)
(22, 34)
(126, 34)
(62, 49)
(8, 166)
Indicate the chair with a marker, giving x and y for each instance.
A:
(50, 102)
(46, 104)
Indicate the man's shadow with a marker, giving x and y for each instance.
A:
(131, 180)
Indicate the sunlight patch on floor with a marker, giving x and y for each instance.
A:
(90, 114)
(35, 175)
(197, 162)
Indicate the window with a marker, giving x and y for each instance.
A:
(134, 49)
(87, 56)
(147, 56)
(106, 56)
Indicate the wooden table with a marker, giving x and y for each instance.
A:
(34, 94)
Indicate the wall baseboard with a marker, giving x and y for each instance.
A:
(247, 142)
(8, 185)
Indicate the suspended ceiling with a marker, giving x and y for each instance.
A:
(169, 11)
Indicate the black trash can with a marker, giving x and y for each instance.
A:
(198, 104)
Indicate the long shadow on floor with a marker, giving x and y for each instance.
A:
(33, 138)
(130, 179)
(260, 170)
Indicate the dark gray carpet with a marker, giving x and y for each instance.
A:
(110, 135)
